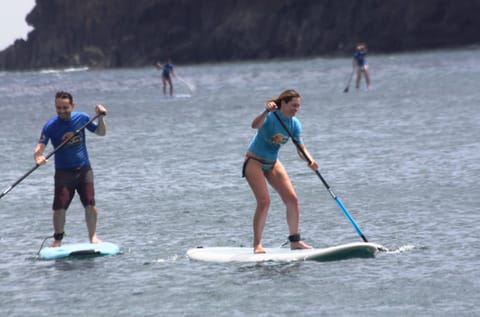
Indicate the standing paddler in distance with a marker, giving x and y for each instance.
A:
(167, 73)
(72, 166)
(360, 62)
(261, 165)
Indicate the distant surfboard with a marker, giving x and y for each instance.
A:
(243, 254)
(79, 249)
(177, 96)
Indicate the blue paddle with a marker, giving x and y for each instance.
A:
(50, 154)
(337, 200)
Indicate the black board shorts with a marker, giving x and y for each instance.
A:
(67, 181)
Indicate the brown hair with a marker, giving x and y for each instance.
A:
(64, 95)
(360, 46)
(285, 96)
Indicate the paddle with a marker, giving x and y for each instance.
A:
(337, 200)
(190, 86)
(50, 154)
(349, 80)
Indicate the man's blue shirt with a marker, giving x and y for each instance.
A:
(73, 154)
(361, 57)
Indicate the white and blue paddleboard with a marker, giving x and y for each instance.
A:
(243, 254)
(79, 249)
(177, 96)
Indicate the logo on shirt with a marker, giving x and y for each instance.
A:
(279, 139)
(74, 140)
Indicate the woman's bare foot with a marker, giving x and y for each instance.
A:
(299, 245)
(258, 249)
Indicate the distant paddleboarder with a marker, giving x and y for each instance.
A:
(72, 165)
(360, 62)
(167, 73)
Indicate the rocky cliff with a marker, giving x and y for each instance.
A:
(126, 33)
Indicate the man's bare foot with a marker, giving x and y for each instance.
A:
(299, 245)
(258, 249)
(95, 239)
(55, 244)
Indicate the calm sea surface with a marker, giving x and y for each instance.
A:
(404, 158)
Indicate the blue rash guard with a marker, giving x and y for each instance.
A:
(361, 57)
(166, 70)
(74, 154)
(271, 135)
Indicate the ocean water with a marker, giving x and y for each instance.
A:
(404, 158)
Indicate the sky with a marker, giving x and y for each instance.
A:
(12, 20)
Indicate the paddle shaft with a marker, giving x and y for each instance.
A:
(349, 80)
(186, 83)
(337, 200)
(50, 154)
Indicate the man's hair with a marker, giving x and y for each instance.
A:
(64, 95)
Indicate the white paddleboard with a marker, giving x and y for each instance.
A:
(79, 249)
(243, 254)
(177, 96)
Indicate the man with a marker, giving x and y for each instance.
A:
(72, 166)
(360, 61)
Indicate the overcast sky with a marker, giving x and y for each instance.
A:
(12, 20)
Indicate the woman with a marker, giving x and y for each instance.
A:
(261, 165)
(167, 72)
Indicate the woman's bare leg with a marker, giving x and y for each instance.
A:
(280, 181)
(256, 179)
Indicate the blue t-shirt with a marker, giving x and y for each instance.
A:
(361, 57)
(167, 69)
(73, 154)
(271, 135)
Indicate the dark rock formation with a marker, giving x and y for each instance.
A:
(126, 33)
